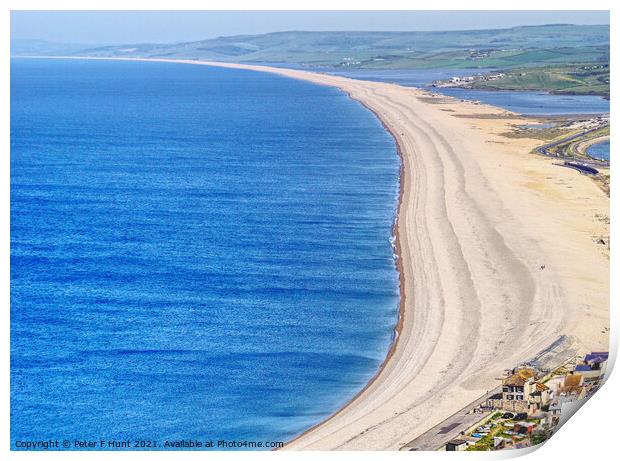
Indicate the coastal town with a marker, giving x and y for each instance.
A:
(531, 404)
(464, 81)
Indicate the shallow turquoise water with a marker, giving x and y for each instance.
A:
(195, 252)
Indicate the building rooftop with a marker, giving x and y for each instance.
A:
(540, 387)
(596, 357)
(525, 424)
(573, 380)
(520, 377)
(583, 367)
(515, 380)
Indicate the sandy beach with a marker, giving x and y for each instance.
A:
(479, 215)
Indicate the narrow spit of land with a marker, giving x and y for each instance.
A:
(479, 218)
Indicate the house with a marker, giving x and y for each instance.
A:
(513, 390)
(540, 396)
(521, 392)
(524, 428)
(597, 361)
(596, 358)
(588, 373)
(554, 384)
(456, 445)
(572, 388)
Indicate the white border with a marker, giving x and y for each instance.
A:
(590, 435)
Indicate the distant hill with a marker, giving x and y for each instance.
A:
(499, 48)
(30, 47)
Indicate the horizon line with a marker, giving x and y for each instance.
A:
(304, 31)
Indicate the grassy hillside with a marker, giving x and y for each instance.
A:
(591, 78)
(500, 48)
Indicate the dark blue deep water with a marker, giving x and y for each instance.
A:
(195, 252)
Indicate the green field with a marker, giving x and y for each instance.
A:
(537, 57)
(590, 78)
(494, 48)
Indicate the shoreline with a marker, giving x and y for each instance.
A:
(469, 240)
(526, 90)
(401, 277)
(395, 233)
(584, 146)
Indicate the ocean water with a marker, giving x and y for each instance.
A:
(196, 253)
(522, 102)
(599, 150)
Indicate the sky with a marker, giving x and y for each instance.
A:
(118, 27)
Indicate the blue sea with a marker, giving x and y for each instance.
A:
(196, 253)
(521, 102)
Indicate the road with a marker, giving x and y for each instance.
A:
(544, 149)
(452, 427)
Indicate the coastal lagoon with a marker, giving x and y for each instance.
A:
(521, 102)
(533, 102)
(599, 150)
(196, 252)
